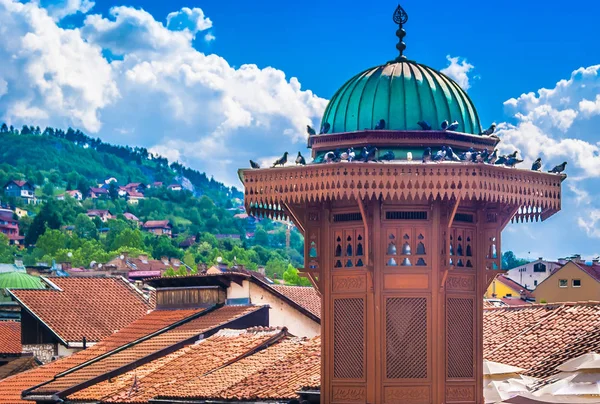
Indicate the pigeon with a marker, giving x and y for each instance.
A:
(441, 154)
(300, 159)
(468, 155)
(281, 161)
(492, 157)
(329, 157)
(483, 156)
(325, 128)
(424, 125)
(344, 156)
(389, 155)
(501, 160)
(310, 130)
(513, 154)
(338, 155)
(559, 168)
(372, 154)
(489, 131)
(475, 156)
(380, 125)
(351, 154)
(254, 164)
(427, 155)
(409, 156)
(450, 155)
(453, 126)
(512, 161)
(444, 125)
(537, 164)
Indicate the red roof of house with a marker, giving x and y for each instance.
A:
(305, 296)
(20, 183)
(10, 337)
(18, 365)
(592, 270)
(74, 192)
(134, 194)
(98, 212)
(541, 337)
(517, 287)
(87, 307)
(99, 190)
(131, 216)
(157, 224)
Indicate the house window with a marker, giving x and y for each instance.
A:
(508, 295)
(576, 283)
(534, 283)
(539, 267)
(563, 283)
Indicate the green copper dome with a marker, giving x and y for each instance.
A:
(402, 93)
(18, 280)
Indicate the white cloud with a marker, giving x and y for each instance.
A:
(192, 19)
(458, 71)
(161, 93)
(59, 9)
(209, 37)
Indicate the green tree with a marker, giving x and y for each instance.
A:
(85, 227)
(7, 252)
(182, 271)
(130, 238)
(291, 277)
(113, 191)
(52, 241)
(275, 268)
(510, 260)
(170, 272)
(261, 238)
(165, 248)
(47, 218)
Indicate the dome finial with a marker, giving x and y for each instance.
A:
(400, 18)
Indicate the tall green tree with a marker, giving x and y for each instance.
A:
(47, 218)
(85, 227)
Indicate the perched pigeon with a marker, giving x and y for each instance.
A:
(513, 154)
(427, 155)
(325, 128)
(483, 156)
(380, 125)
(512, 161)
(254, 164)
(351, 154)
(453, 126)
(444, 125)
(389, 155)
(338, 154)
(441, 154)
(300, 159)
(559, 168)
(409, 156)
(372, 154)
(424, 125)
(468, 155)
(475, 156)
(537, 164)
(450, 155)
(329, 157)
(501, 160)
(344, 156)
(492, 157)
(489, 131)
(281, 161)
(310, 130)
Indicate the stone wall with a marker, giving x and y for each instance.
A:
(44, 352)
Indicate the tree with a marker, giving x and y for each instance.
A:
(165, 248)
(48, 189)
(4, 128)
(113, 191)
(182, 271)
(128, 238)
(291, 277)
(510, 261)
(85, 227)
(170, 272)
(261, 238)
(275, 268)
(52, 241)
(47, 218)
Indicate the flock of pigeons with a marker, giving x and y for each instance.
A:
(370, 153)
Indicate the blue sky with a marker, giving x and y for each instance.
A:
(212, 83)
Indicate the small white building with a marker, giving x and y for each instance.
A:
(533, 273)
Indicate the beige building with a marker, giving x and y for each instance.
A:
(573, 282)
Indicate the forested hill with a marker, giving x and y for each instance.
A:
(73, 160)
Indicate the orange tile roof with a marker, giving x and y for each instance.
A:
(305, 296)
(186, 364)
(517, 287)
(18, 365)
(90, 307)
(141, 349)
(541, 337)
(275, 373)
(12, 387)
(10, 337)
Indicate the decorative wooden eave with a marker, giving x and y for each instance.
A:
(418, 138)
(534, 195)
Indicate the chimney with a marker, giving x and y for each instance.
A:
(523, 295)
(165, 260)
(143, 257)
(596, 261)
(540, 258)
(18, 261)
(175, 262)
(84, 343)
(261, 270)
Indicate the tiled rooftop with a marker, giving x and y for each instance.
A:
(78, 310)
(541, 337)
(305, 296)
(514, 285)
(17, 365)
(10, 337)
(141, 349)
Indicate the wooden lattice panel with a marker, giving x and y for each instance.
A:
(349, 249)
(348, 338)
(461, 246)
(460, 337)
(406, 338)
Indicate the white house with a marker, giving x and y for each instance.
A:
(533, 273)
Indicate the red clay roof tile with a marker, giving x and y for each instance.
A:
(10, 337)
(93, 308)
(305, 296)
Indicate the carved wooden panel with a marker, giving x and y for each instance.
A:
(461, 244)
(460, 338)
(349, 283)
(406, 352)
(461, 283)
(348, 338)
(407, 395)
(407, 247)
(460, 394)
(349, 249)
(405, 281)
(349, 394)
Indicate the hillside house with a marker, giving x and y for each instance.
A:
(21, 212)
(131, 217)
(158, 227)
(75, 194)
(503, 287)
(136, 186)
(98, 193)
(9, 226)
(156, 184)
(175, 187)
(575, 281)
(133, 197)
(103, 214)
(141, 267)
(533, 273)
(20, 189)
